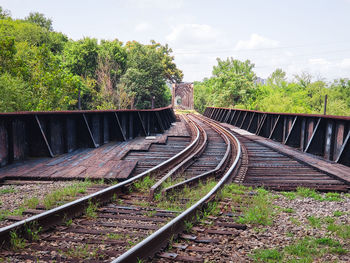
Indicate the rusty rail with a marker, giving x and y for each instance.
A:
(197, 151)
(75, 208)
(159, 239)
(48, 134)
(205, 175)
(326, 136)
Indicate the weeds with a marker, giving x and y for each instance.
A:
(338, 213)
(295, 221)
(333, 197)
(16, 212)
(341, 230)
(33, 231)
(304, 250)
(32, 202)
(188, 226)
(232, 190)
(290, 234)
(82, 252)
(311, 193)
(16, 241)
(68, 222)
(259, 210)
(288, 210)
(289, 195)
(211, 209)
(310, 247)
(314, 221)
(66, 193)
(144, 184)
(307, 192)
(115, 236)
(267, 255)
(151, 213)
(7, 190)
(90, 211)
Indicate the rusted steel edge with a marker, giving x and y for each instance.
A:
(184, 163)
(339, 117)
(78, 111)
(203, 175)
(158, 239)
(274, 146)
(74, 208)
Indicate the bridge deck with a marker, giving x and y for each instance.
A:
(278, 166)
(104, 162)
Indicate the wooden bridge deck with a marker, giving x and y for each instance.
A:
(105, 162)
(278, 165)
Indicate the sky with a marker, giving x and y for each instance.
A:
(297, 36)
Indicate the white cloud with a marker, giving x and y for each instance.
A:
(159, 4)
(255, 42)
(194, 48)
(144, 26)
(319, 61)
(345, 63)
(192, 34)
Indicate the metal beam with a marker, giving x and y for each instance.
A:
(91, 137)
(44, 136)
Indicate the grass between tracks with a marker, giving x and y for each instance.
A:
(331, 240)
(260, 213)
(53, 199)
(305, 250)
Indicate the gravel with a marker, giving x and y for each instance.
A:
(288, 228)
(21, 192)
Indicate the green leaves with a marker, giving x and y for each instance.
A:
(148, 67)
(40, 20)
(232, 85)
(43, 70)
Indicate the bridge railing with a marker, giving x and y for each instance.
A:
(40, 134)
(322, 135)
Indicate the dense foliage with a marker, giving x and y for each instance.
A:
(41, 69)
(233, 84)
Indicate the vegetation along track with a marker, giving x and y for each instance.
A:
(116, 218)
(215, 238)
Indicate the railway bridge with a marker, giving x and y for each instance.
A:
(157, 186)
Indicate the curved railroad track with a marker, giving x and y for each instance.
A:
(116, 218)
(135, 219)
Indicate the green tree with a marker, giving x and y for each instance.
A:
(4, 13)
(277, 78)
(8, 51)
(14, 94)
(40, 20)
(233, 81)
(146, 75)
(80, 57)
(111, 64)
(41, 69)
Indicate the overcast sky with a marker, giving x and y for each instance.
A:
(295, 35)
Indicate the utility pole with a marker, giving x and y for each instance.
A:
(325, 105)
(79, 100)
(153, 102)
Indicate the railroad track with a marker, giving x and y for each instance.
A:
(261, 166)
(277, 171)
(135, 219)
(104, 225)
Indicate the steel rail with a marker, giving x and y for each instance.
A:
(203, 175)
(158, 239)
(74, 208)
(185, 163)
